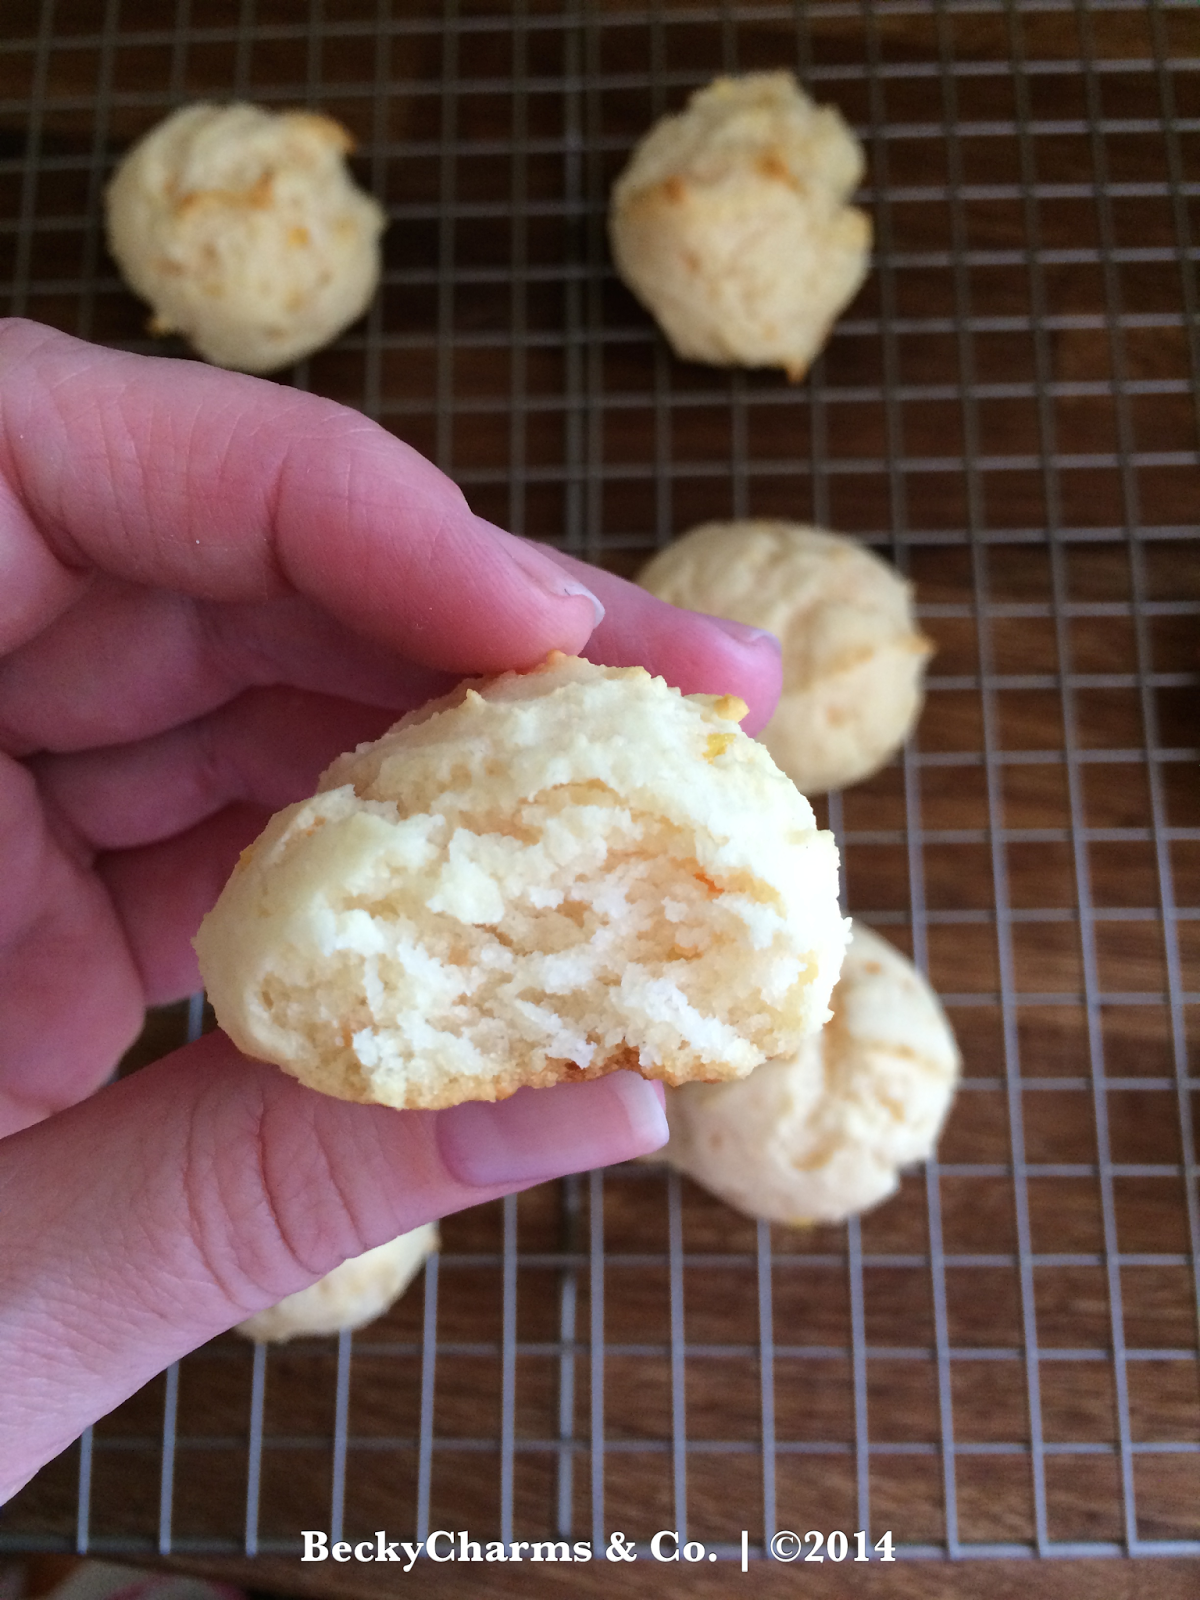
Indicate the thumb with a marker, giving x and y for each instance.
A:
(175, 1203)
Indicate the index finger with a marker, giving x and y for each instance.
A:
(225, 487)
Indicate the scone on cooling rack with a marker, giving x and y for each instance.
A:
(350, 1296)
(822, 1133)
(730, 223)
(543, 876)
(245, 232)
(853, 658)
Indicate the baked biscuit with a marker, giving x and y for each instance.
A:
(245, 232)
(542, 876)
(822, 1133)
(353, 1294)
(730, 223)
(853, 658)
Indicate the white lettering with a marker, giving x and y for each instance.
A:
(551, 1552)
(384, 1552)
(496, 1552)
(583, 1551)
(341, 1552)
(468, 1550)
(316, 1546)
(698, 1548)
(412, 1551)
(368, 1547)
(431, 1543)
(656, 1549)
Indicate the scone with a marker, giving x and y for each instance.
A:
(730, 223)
(353, 1294)
(542, 876)
(821, 1134)
(245, 232)
(853, 658)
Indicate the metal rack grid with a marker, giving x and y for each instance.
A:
(1003, 1360)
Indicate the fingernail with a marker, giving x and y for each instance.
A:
(549, 576)
(568, 586)
(742, 633)
(545, 1133)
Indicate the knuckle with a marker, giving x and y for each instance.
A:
(250, 1176)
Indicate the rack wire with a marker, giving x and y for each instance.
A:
(1003, 1360)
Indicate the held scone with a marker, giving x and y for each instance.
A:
(730, 223)
(542, 876)
(245, 232)
(853, 657)
(350, 1296)
(821, 1134)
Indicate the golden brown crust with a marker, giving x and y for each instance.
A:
(244, 231)
(730, 224)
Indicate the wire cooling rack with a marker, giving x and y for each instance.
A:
(1003, 1359)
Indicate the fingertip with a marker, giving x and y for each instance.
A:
(548, 577)
(702, 654)
(578, 591)
(755, 658)
(644, 1103)
(742, 633)
(538, 1134)
(695, 652)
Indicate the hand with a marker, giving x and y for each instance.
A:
(210, 586)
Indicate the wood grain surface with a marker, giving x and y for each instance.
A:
(1009, 411)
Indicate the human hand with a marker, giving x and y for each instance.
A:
(209, 587)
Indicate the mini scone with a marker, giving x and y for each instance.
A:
(350, 1296)
(853, 657)
(730, 223)
(821, 1134)
(542, 876)
(245, 232)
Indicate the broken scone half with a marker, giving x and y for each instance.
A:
(543, 876)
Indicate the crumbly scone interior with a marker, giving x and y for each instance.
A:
(613, 937)
(580, 873)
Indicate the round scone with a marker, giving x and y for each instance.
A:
(245, 232)
(542, 876)
(353, 1294)
(821, 1134)
(853, 658)
(730, 223)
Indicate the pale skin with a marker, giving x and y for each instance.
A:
(210, 586)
